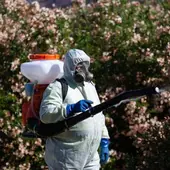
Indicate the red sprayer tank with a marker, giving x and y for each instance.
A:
(40, 70)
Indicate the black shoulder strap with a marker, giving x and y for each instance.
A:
(64, 87)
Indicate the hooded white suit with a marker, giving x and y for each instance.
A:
(76, 148)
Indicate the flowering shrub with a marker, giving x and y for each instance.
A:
(129, 45)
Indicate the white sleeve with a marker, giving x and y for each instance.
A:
(52, 108)
(105, 133)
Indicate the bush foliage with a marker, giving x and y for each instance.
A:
(129, 46)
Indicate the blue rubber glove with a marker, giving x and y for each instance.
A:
(80, 106)
(104, 150)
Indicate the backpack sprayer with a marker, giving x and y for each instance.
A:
(43, 69)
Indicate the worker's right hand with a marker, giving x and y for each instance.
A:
(80, 106)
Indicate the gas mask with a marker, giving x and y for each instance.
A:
(82, 72)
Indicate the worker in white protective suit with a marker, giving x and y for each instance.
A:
(76, 148)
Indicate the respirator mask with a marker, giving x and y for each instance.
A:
(82, 73)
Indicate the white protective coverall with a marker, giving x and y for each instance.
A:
(76, 148)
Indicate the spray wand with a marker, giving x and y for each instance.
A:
(48, 130)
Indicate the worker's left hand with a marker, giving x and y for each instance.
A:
(104, 150)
